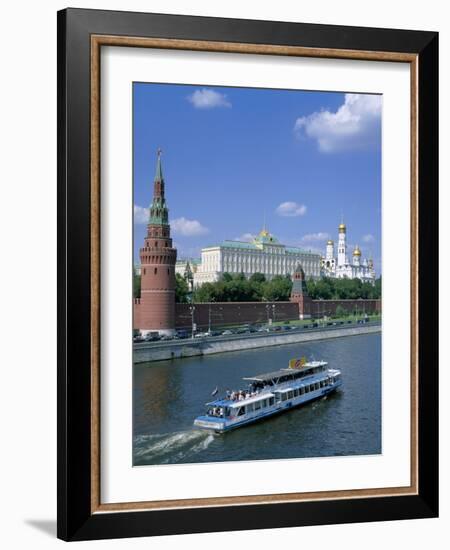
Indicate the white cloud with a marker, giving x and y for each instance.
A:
(188, 228)
(141, 214)
(355, 125)
(368, 238)
(180, 226)
(208, 99)
(315, 237)
(290, 208)
(246, 237)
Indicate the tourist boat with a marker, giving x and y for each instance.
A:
(269, 394)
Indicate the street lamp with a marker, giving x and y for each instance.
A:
(209, 315)
(192, 309)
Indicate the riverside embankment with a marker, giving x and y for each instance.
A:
(176, 349)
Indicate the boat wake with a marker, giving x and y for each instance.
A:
(170, 448)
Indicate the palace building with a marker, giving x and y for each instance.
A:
(265, 254)
(155, 309)
(340, 267)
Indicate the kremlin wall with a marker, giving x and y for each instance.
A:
(156, 309)
(234, 313)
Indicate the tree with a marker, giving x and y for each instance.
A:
(278, 289)
(181, 289)
(377, 288)
(237, 288)
(205, 293)
(257, 278)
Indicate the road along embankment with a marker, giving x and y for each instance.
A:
(161, 351)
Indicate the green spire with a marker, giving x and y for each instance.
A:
(159, 213)
(158, 173)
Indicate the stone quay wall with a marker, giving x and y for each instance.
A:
(176, 349)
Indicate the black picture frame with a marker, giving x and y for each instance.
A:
(75, 518)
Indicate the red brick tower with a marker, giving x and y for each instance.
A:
(299, 293)
(155, 311)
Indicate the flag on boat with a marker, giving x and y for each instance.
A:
(215, 391)
(297, 363)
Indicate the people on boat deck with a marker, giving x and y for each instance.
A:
(216, 411)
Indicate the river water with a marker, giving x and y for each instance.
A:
(168, 395)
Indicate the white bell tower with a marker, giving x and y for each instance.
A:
(330, 251)
(342, 246)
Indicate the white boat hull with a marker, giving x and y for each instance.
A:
(221, 425)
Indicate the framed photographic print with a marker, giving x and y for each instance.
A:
(247, 274)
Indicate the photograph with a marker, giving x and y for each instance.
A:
(247, 273)
(257, 274)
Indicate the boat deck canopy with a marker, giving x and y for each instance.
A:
(285, 372)
(258, 397)
(271, 375)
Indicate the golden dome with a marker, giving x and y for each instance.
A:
(357, 251)
(264, 233)
(342, 227)
(330, 242)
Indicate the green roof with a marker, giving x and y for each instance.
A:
(254, 246)
(295, 250)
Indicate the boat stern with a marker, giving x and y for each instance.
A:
(210, 423)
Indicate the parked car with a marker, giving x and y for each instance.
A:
(152, 336)
(227, 333)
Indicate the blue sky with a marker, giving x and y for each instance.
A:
(232, 156)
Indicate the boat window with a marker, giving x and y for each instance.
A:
(307, 389)
(290, 394)
(317, 385)
(263, 404)
(241, 411)
(283, 397)
(271, 401)
(250, 407)
(257, 405)
(295, 393)
(302, 390)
